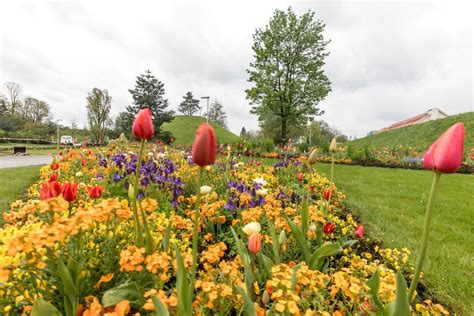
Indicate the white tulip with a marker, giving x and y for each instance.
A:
(260, 181)
(262, 192)
(205, 189)
(251, 228)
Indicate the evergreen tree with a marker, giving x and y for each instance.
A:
(243, 132)
(190, 105)
(217, 114)
(149, 93)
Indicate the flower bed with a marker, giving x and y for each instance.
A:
(82, 244)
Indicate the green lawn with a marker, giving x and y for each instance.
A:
(391, 204)
(14, 182)
(183, 128)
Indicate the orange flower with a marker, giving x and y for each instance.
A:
(255, 243)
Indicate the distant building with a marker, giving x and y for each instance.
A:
(430, 115)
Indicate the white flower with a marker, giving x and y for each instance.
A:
(161, 155)
(260, 181)
(239, 164)
(150, 154)
(79, 174)
(205, 189)
(251, 228)
(262, 192)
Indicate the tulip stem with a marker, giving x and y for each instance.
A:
(195, 231)
(424, 241)
(332, 166)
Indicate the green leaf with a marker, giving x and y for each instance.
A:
(161, 309)
(166, 239)
(300, 238)
(244, 257)
(374, 285)
(44, 308)
(350, 243)
(326, 250)
(275, 242)
(68, 284)
(293, 276)
(183, 287)
(401, 306)
(126, 291)
(249, 307)
(304, 216)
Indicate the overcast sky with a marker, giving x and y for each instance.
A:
(388, 60)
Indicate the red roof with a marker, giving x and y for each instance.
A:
(408, 121)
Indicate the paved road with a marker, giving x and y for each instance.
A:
(21, 161)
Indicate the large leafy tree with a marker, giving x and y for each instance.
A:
(149, 93)
(123, 123)
(190, 105)
(14, 94)
(217, 114)
(287, 76)
(98, 110)
(34, 110)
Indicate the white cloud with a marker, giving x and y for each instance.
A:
(388, 60)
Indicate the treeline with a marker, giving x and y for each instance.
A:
(29, 117)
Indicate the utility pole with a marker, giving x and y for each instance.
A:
(207, 112)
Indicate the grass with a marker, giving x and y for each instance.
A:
(15, 182)
(183, 129)
(391, 204)
(420, 136)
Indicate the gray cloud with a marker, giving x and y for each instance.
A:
(388, 61)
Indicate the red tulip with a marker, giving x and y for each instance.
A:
(445, 154)
(328, 228)
(204, 146)
(50, 189)
(327, 194)
(83, 162)
(70, 191)
(95, 191)
(359, 231)
(255, 243)
(300, 176)
(53, 177)
(54, 166)
(143, 125)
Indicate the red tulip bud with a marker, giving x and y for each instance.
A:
(300, 176)
(359, 231)
(54, 166)
(445, 154)
(255, 243)
(327, 194)
(143, 125)
(96, 191)
(83, 162)
(204, 146)
(53, 177)
(70, 191)
(328, 228)
(50, 189)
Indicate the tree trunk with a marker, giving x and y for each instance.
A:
(283, 131)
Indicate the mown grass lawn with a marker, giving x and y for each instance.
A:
(391, 204)
(14, 182)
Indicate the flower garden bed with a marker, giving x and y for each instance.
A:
(65, 246)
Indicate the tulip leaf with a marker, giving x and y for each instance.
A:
(275, 242)
(249, 307)
(304, 215)
(69, 286)
(165, 243)
(244, 258)
(374, 284)
(401, 306)
(326, 250)
(298, 234)
(294, 276)
(161, 309)
(183, 287)
(350, 243)
(44, 308)
(126, 291)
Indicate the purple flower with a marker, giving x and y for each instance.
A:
(100, 176)
(103, 162)
(117, 177)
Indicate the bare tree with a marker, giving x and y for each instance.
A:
(98, 110)
(14, 93)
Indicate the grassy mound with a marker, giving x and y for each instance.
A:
(419, 136)
(183, 129)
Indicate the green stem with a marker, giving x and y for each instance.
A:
(332, 166)
(138, 229)
(424, 241)
(195, 231)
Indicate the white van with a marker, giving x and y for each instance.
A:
(66, 140)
